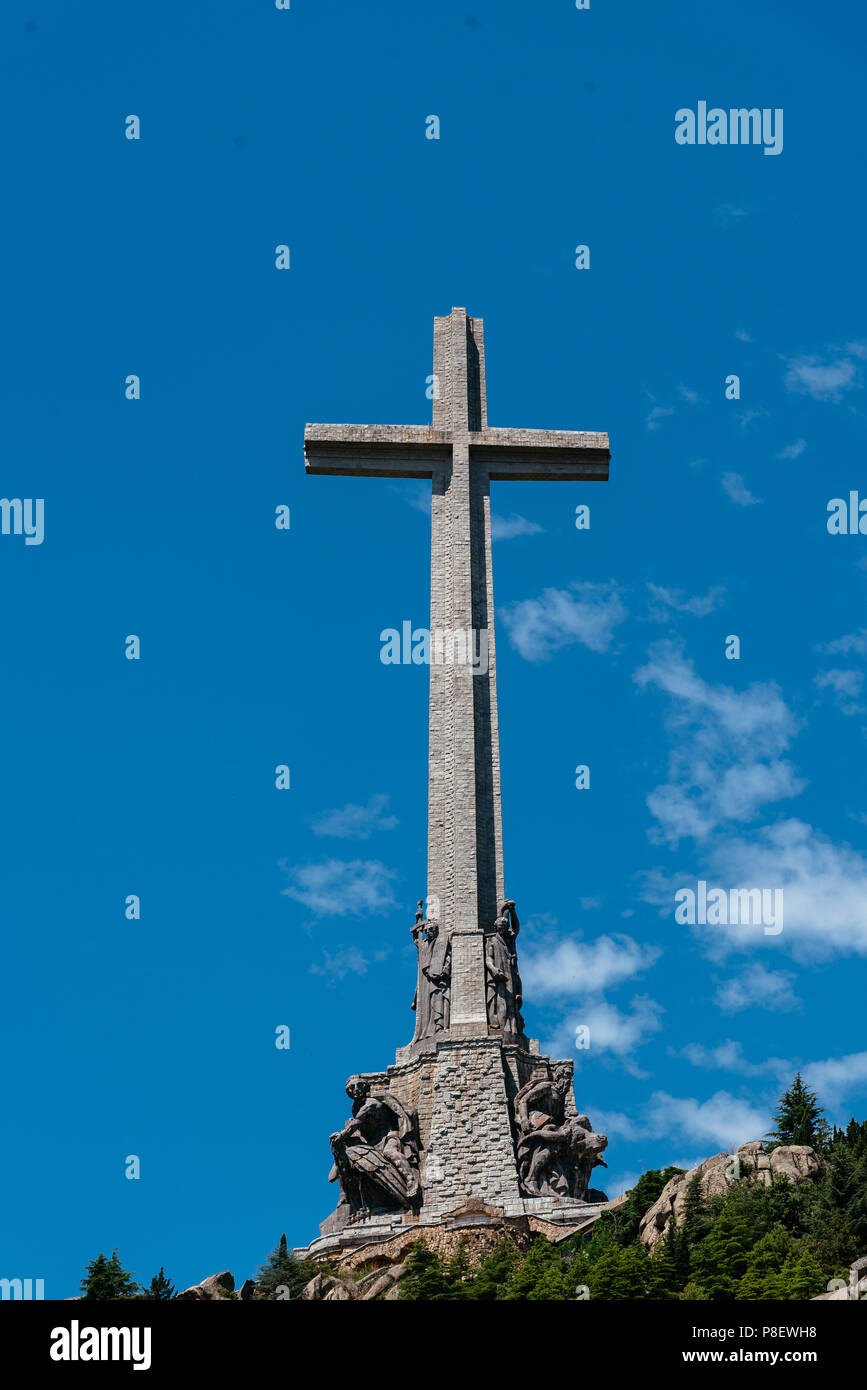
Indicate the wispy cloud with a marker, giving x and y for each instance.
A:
(335, 888)
(746, 417)
(842, 646)
(356, 822)
(336, 965)
(826, 377)
(846, 687)
(793, 450)
(758, 987)
(555, 971)
(737, 491)
(728, 214)
(588, 614)
(699, 606)
(729, 1056)
(837, 1078)
(656, 416)
(503, 528)
(725, 758)
(723, 1120)
(617, 1032)
(552, 969)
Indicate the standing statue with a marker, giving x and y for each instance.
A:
(556, 1152)
(376, 1153)
(431, 999)
(503, 983)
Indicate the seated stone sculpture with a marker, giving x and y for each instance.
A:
(376, 1153)
(556, 1152)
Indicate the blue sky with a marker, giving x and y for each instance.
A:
(261, 647)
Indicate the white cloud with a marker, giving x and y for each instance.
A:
(613, 1123)
(335, 888)
(728, 214)
(539, 627)
(554, 970)
(347, 960)
(729, 1056)
(503, 528)
(824, 888)
(610, 1030)
(724, 1120)
(743, 335)
(846, 686)
(825, 378)
(835, 1079)
(699, 606)
(746, 417)
(737, 491)
(356, 822)
(793, 451)
(657, 415)
(758, 987)
(724, 763)
(852, 642)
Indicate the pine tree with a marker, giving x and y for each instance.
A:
(696, 1219)
(426, 1277)
(800, 1118)
(801, 1277)
(282, 1271)
(494, 1272)
(106, 1278)
(160, 1288)
(540, 1260)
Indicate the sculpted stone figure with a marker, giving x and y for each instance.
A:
(431, 1000)
(556, 1152)
(376, 1153)
(503, 983)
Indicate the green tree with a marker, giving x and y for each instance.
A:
(801, 1277)
(696, 1215)
(540, 1275)
(160, 1288)
(800, 1118)
(626, 1220)
(694, 1293)
(426, 1277)
(106, 1278)
(282, 1270)
(494, 1272)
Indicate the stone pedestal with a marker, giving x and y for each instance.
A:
(463, 1091)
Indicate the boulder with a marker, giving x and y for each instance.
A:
(796, 1162)
(215, 1288)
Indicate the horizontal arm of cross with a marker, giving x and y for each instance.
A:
(514, 455)
(376, 451)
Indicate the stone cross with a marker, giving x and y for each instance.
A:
(462, 455)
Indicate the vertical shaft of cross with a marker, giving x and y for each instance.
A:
(465, 857)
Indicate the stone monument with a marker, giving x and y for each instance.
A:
(471, 1123)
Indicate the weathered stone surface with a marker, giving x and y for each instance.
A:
(556, 1151)
(460, 454)
(376, 1153)
(215, 1288)
(796, 1162)
(469, 1057)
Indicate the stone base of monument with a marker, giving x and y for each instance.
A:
(472, 1167)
